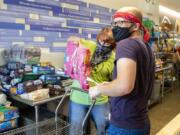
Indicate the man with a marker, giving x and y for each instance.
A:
(132, 77)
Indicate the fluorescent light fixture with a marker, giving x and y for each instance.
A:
(169, 11)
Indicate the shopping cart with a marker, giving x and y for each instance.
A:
(53, 126)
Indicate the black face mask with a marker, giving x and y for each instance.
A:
(120, 33)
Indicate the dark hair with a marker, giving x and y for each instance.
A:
(106, 36)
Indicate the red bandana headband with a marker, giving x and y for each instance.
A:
(134, 19)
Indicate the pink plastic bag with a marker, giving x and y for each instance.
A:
(69, 54)
(77, 63)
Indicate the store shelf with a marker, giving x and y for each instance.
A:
(34, 103)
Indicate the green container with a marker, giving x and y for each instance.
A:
(148, 23)
(33, 61)
(30, 76)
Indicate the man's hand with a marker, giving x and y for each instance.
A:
(94, 92)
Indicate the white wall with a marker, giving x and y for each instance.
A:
(56, 58)
(152, 11)
(149, 10)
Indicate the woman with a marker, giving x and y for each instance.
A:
(102, 64)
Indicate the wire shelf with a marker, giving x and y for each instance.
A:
(46, 127)
(53, 126)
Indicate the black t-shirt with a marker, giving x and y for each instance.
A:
(130, 111)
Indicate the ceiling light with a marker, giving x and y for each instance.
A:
(169, 11)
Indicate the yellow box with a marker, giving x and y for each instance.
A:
(20, 20)
(39, 39)
(34, 16)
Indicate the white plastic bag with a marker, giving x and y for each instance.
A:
(36, 95)
(3, 99)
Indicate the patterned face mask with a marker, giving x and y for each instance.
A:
(101, 54)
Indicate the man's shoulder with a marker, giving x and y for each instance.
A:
(128, 43)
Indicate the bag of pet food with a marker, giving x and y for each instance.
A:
(77, 63)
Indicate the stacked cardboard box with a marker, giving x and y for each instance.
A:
(8, 118)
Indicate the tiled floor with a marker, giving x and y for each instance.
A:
(162, 113)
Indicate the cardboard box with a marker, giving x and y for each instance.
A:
(7, 125)
(8, 113)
